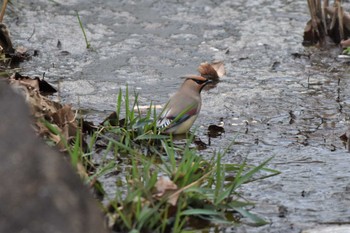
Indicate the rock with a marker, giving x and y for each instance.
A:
(39, 191)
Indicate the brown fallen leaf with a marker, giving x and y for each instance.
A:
(39, 105)
(9, 56)
(343, 137)
(36, 83)
(219, 67)
(207, 71)
(18, 79)
(45, 87)
(21, 50)
(212, 71)
(65, 119)
(164, 186)
(61, 117)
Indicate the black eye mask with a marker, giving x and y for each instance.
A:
(200, 82)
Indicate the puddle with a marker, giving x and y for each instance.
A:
(291, 107)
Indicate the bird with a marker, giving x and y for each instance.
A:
(183, 107)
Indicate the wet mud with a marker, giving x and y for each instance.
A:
(277, 99)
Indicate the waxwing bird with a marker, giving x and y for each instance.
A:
(183, 107)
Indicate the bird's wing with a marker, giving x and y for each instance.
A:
(174, 115)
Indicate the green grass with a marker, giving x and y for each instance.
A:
(200, 191)
(88, 45)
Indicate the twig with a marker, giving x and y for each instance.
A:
(334, 16)
(313, 13)
(325, 5)
(189, 185)
(31, 34)
(341, 22)
(2, 13)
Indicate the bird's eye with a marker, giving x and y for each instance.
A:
(199, 81)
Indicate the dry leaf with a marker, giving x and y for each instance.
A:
(212, 71)
(64, 118)
(82, 171)
(219, 67)
(61, 117)
(165, 186)
(21, 49)
(25, 81)
(40, 106)
(36, 83)
(207, 71)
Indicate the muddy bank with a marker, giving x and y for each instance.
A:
(282, 99)
(40, 192)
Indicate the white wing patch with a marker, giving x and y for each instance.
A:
(164, 121)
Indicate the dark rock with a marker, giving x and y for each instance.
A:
(5, 41)
(39, 191)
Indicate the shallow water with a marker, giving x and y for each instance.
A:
(282, 105)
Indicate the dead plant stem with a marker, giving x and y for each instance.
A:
(2, 13)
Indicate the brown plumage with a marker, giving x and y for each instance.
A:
(183, 107)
